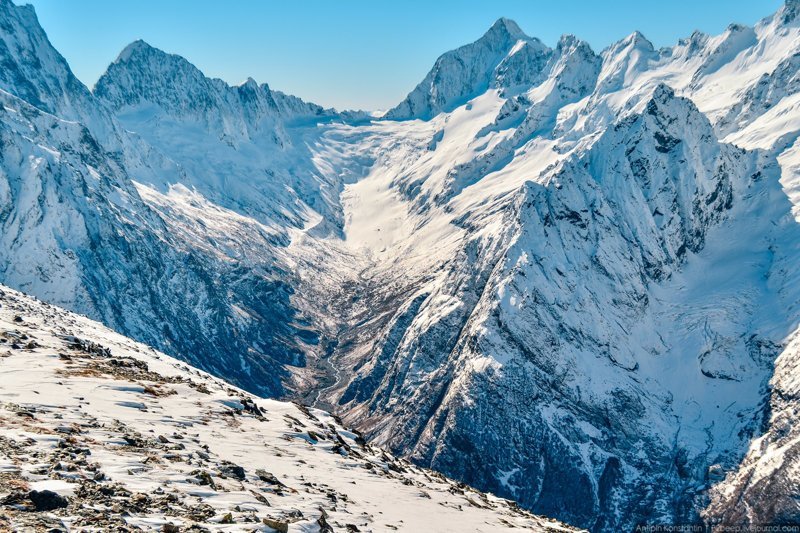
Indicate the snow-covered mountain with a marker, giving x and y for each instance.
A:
(255, 157)
(504, 58)
(99, 431)
(561, 276)
(580, 286)
(101, 220)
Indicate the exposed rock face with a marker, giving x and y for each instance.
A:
(570, 280)
(543, 345)
(33, 70)
(573, 334)
(84, 224)
(767, 478)
(145, 75)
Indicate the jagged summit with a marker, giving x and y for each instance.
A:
(145, 75)
(503, 57)
(141, 55)
(663, 92)
(468, 70)
(28, 9)
(569, 44)
(249, 83)
(789, 12)
(35, 71)
(568, 39)
(505, 28)
(634, 41)
(137, 47)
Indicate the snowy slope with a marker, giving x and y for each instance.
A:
(562, 276)
(77, 231)
(768, 476)
(131, 437)
(592, 274)
(97, 219)
(503, 54)
(546, 315)
(255, 159)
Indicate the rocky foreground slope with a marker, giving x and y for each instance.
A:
(100, 433)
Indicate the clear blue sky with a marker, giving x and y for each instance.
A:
(354, 53)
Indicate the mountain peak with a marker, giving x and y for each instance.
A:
(636, 41)
(249, 83)
(466, 71)
(507, 28)
(639, 41)
(663, 93)
(137, 47)
(567, 39)
(32, 69)
(789, 12)
(140, 49)
(27, 9)
(142, 72)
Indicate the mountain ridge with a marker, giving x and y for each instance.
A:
(547, 272)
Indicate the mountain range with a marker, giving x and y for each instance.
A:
(560, 276)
